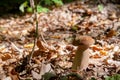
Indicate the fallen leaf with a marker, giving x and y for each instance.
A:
(28, 45)
(103, 53)
(95, 48)
(44, 69)
(111, 33)
(41, 46)
(2, 47)
(6, 56)
(116, 56)
(12, 73)
(96, 56)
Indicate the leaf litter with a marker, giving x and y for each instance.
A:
(56, 57)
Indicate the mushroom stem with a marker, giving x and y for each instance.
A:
(81, 59)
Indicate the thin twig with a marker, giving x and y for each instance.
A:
(36, 30)
(34, 6)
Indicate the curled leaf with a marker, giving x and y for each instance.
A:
(6, 56)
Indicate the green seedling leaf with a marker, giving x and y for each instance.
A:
(63, 78)
(48, 2)
(75, 76)
(41, 9)
(100, 7)
(48, 76)
(29, 9)
(74, 28)
(114, 77)
(58, 2)
(23, 6)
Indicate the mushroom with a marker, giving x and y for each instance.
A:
(81, 59)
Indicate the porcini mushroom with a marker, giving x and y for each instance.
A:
(82, 55)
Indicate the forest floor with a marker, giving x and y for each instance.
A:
(54, 53)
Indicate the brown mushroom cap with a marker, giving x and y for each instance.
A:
(83, 40)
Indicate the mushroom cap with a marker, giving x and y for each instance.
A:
(83, 41)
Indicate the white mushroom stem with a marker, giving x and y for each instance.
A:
(81, 61)
(82, 55)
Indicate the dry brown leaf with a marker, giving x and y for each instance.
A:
(111, 33)
(103, 22)
(106, 61)
(118, 70)
(116, 56)
(113, 16)
(56, 37)
(71, 23)
(37, 53)
(12, 73)
(103, 53)
(41, 46)
(96, 56)
(89, 11)
(6, 56)
(95, 48)
(28, 45)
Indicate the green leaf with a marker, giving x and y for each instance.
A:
(100, 7)
(58, 2)
(29, 9)
(41, 9)
(48, 75)
(74, 28)
(76, 75)
(23, 6)
(109, 78)
(63, 78)
(48, 2)
(114, 77)
(92, 78)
